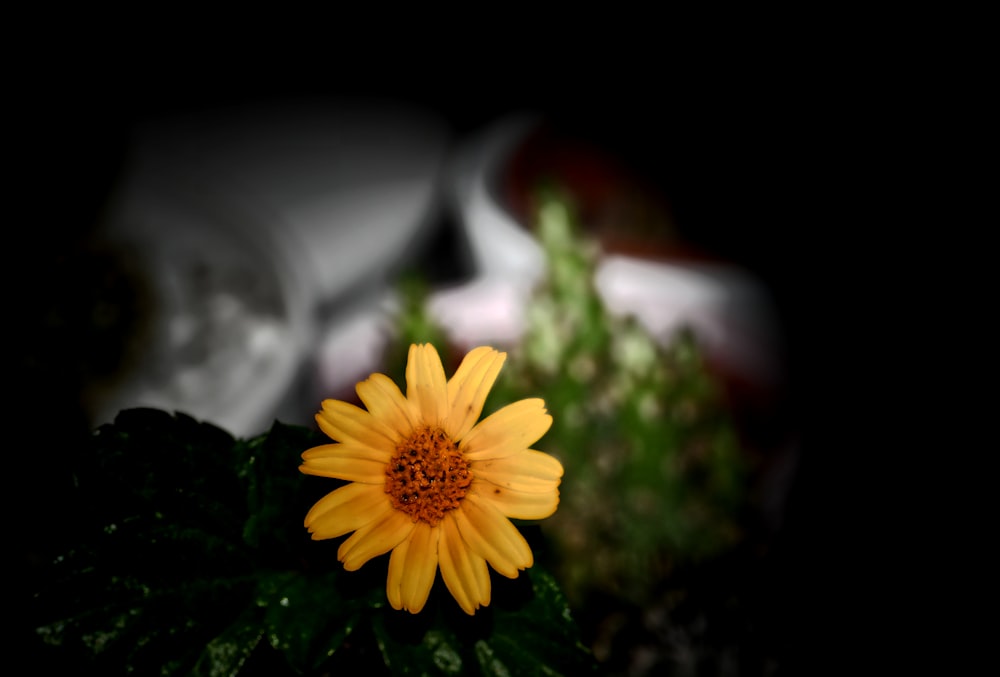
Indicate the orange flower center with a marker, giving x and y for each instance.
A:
(428, 476)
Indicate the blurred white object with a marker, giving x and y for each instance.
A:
(487, 310)
(254, 225)
(508, 260)
(352, 347)
(728, 309)
(501, 247)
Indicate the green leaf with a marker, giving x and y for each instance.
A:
(527, 630)
(278, 495)
(536, 636)
(227, 653)
(307, 618)
(151, 571)
(410, 647)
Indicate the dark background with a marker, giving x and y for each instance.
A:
(754, 145)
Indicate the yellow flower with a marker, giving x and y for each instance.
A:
(431, 484)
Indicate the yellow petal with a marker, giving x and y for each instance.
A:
(394, 582)
(469, 387)
(346, 450)
(529, 485)
(345, 422)
(463, 571)
(420, 567)
(375, 538)
(426, 385)
(386, 403)
(346, 468)
(491, 536)
(346, 509)
(526, 505)
(529, 470)
(508, 431)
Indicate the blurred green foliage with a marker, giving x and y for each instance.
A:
(654, 472)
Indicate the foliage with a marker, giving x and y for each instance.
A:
(188, 556)
(654, 472)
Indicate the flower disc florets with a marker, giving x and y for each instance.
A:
(428, 476)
